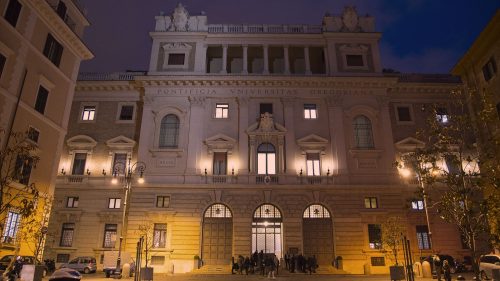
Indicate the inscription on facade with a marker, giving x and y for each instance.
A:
(166, 162)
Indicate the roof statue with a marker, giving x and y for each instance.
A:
(350, 19)
(180, 18)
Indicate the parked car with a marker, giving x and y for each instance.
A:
(65, 274)
(450, 259)
(82, 264)
(486, 265)
(5, 260)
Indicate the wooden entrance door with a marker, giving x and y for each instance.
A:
(217, 241)
(318, 239)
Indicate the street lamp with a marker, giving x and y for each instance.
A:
(135, 168)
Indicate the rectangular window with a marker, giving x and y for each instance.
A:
(310, 111)
(176, 59)
(378, 261)
(354, 60)
(220, 163)
(312, 164)
(41, 99)
(404, 114)
(126, 112)
(22, 169)
(371, 203)
(157, 260)
(79, 163)
(119, 163)
(489, 69)
(375, 236)
(88, 113)
(266, 163)
(53, 50)
(417, 204)
(12, 12)
(67, 232)
(423, 237)
(162, 201)
(159, 235)
(62, 258)
(72, 202)
(10, 228)
(221, 110)
(442, 115)
(114, 203)
(110, 231)
(3, 59)
(266, 107)
(61, 10)
(33, 134)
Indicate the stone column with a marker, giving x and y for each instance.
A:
(306, 59)
(325, 56)
(281, 160)
(385, 134)
(224, 59)
(337, 134)
(200, 61)
(291, 147)
(287, 60)
(377, 66)
(245, 59)
(195, 136)
(242, 136)
(252, 155)
(266, 59)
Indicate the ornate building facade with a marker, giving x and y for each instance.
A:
(279, 138)
(40, 54)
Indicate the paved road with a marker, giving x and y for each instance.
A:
(283, 277)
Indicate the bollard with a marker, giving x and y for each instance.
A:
(417, 268)
(126, 270)
(426, 269)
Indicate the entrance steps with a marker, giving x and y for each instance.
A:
(213, 269)
(328, 269)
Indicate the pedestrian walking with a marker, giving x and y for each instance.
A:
(438, 266)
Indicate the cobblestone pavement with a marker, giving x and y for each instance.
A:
(287, 276)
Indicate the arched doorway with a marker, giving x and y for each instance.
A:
(217, 236)
(267, 230)
(317, 229)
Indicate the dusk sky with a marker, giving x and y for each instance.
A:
(418, 36)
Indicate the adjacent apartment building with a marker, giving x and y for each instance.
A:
(278, 138)
(40, 54)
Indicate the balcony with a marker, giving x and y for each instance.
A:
(265, 28)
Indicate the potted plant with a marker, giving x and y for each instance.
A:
(392, 229)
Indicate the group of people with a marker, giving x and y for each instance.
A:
(301, 263)
(442, 267)
(268, 264)
(14, 271)
(265, 264)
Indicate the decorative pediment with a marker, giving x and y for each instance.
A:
(312, 143)
(409, 144)
(81, 142)
(220, 143)
(120, 143)
(266, 126)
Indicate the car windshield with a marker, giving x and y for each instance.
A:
(6, 258)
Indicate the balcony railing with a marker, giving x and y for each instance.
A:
(264, 28)
(109, 76)
(266, 179)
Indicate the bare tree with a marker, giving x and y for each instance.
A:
(392, 230)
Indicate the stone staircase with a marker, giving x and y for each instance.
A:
(213, 269)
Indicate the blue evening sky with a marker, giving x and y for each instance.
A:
(419, 36)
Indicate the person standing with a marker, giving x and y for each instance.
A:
(438, 266)
(446, 271)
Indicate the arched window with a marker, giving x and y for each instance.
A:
(363, 136)
(316, 211)
(169, 131)
(266, 159)
(267, 230)
(218, 211)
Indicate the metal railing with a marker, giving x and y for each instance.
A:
(109, 76)
(265, 28)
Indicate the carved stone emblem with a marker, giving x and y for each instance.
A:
(350, 19)
(180, 18)
(266, 122)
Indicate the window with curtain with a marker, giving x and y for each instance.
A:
(169, 131)
(363, 135)
(266, 159)
(312, 164)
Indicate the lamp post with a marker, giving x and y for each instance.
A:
(135, 168)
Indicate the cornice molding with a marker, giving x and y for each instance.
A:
(49, 16)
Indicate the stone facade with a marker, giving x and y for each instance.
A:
(40, 53)
(251, 134)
